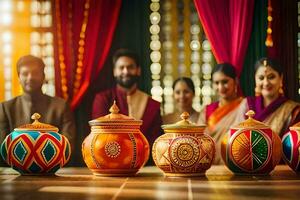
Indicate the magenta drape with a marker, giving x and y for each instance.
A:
(227, 25)
(101, 23)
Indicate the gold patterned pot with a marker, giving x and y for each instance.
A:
(251, 147)
(36, 148)
(115, 146)
(184, 149)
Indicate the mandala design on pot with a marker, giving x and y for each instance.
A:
(184, 151)
(112, 149)
(250, 150)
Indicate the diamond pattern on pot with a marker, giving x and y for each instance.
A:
(35, 168)
(48, 151)
(20, 152)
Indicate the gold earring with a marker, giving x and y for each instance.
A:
(257, 91)
(281, 92)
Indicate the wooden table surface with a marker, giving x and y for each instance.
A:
(150, 183)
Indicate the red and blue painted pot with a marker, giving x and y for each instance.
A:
(36, 148)
(251, 148)
(291, 147)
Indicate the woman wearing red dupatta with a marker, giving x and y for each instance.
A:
(270, 104)
(220, 115)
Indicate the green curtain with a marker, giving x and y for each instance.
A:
(285, 50)
(132, 32)
(256, 48)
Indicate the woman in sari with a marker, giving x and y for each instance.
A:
(183, 93)
(270, 105)
(220, 115)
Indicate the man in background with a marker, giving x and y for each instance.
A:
(130, 100)
(18, 111)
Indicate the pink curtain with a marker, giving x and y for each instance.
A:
(228, 25)
(84, 31)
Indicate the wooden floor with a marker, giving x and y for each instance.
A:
(219, 183)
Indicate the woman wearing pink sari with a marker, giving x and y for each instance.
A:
(270, 104)
(220, 115)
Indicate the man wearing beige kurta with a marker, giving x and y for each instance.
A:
(130, 100)
(18, 111)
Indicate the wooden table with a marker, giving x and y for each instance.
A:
(219, 183)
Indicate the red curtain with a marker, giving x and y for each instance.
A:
(228, 25)
(83, 34)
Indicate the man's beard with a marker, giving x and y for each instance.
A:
(128, 83)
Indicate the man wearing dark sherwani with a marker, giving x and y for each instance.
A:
(18, 111)
(130, 100)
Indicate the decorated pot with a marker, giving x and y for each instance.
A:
(36, 148)
(291, 147)
(251, 147)
(184, 149)
(115, 146)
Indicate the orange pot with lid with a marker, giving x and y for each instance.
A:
(115, 146)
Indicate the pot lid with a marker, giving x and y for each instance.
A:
(250, 122)
(36, 125)
(115, 118)
(183, 124)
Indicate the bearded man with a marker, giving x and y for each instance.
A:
(130, 100)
